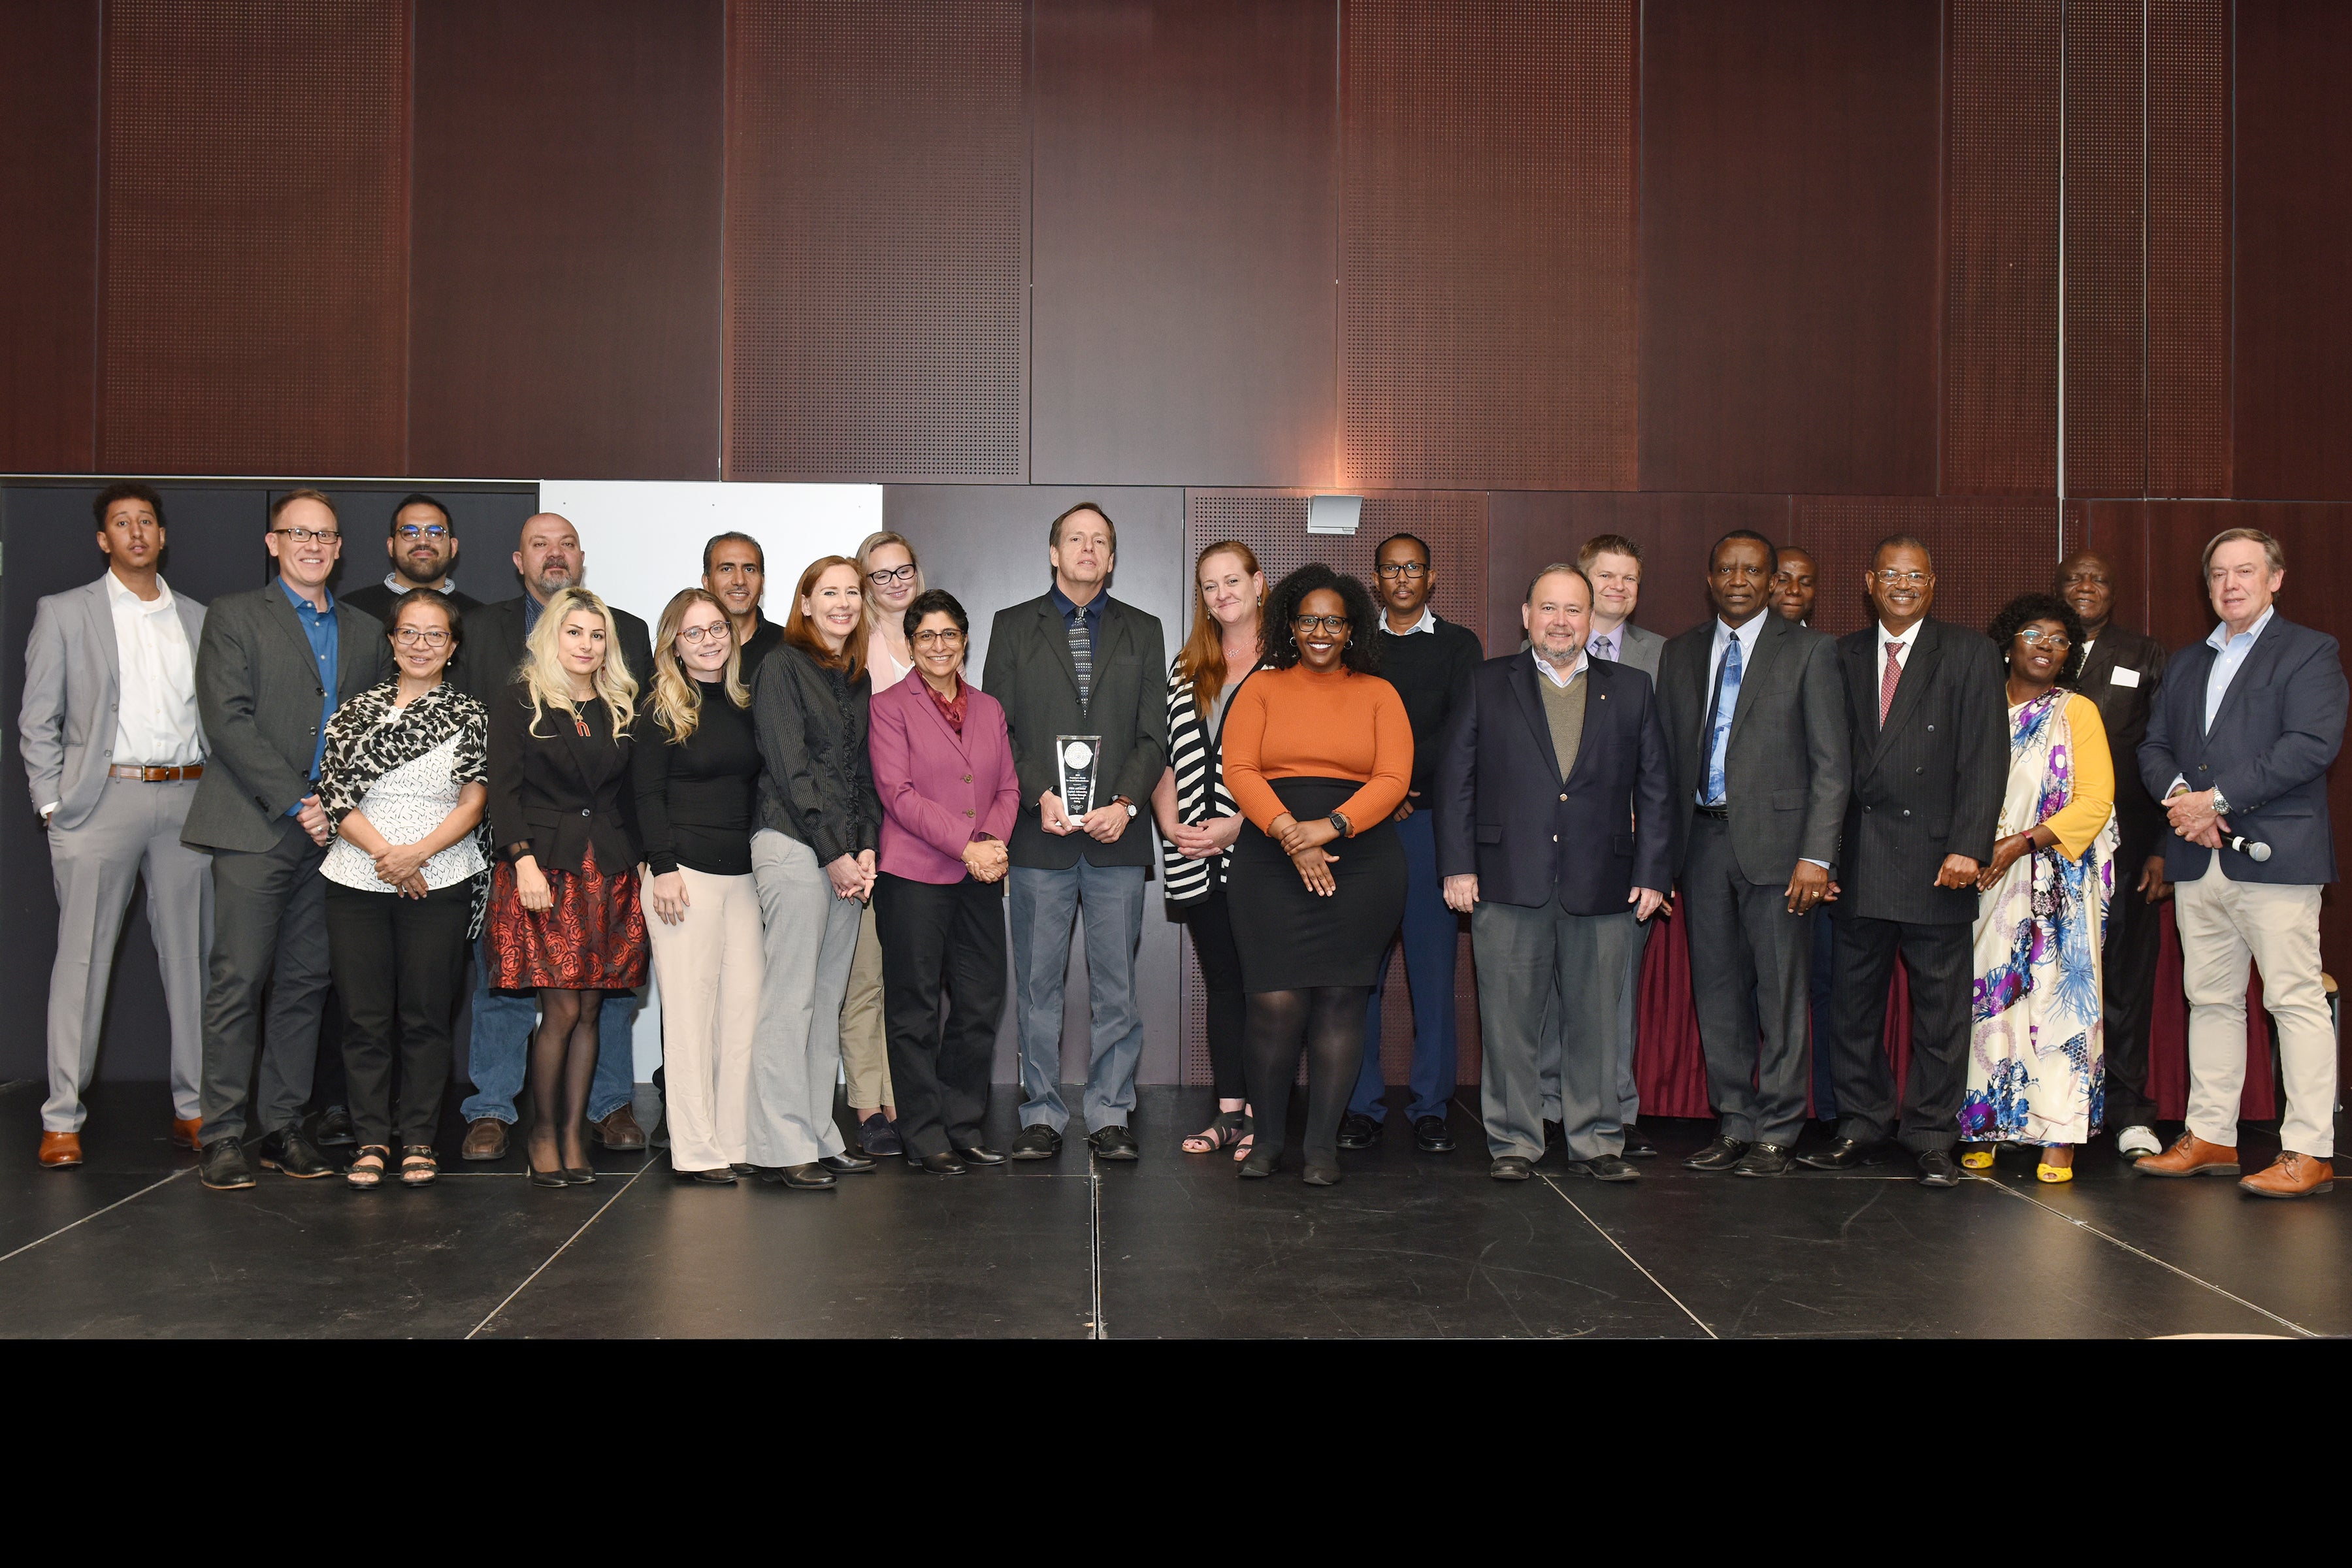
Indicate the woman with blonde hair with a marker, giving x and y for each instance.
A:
(813, 862)
(696, 773)
(564, 919)
(1198, 819)
(892, 577)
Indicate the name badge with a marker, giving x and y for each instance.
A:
(2121, 675)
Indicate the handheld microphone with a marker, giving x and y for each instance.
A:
(2250, 848)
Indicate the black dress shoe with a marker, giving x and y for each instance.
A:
(286, 1149)
(744, 1170)
(1036, 1142)
(1112, 1144)
(1937, 1169)
(1843, 1154)
(1555, 1135)
(1607, 1168)
(1512, 1168)
(1430, 1136)
(335, 1129)
(845, 1165)
(937, 1164)
(1638, 1147)
(1765, 1160)
(722, 1177)
(979, 1154)
(1721, 1155)
(1316, 1175)
(225, 1168)
(809, 1178)
(579, 1176)
(1359, 1132)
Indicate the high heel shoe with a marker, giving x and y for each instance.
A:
(1318, 1176)
(539, 1178)
(1262, 1162)
(579, 1176)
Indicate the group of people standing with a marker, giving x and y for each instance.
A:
(818, 835)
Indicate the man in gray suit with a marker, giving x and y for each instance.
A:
(1075, 661)
(113, 748)
(274, 665)
(1755, 718)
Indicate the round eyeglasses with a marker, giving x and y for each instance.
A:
(694, 637)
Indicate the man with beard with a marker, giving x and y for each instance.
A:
(423, 545)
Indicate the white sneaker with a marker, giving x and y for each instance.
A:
(2133, 1142)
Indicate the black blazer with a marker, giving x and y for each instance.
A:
(560, 790)
(1931, 784)
(1505, 813)
(816, 777)
(492, 650)
(1030, 671)
(375, 599)
(2123, 708)
(1789, 762)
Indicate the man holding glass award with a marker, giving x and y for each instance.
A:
(1080, 676)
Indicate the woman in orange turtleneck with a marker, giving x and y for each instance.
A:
(1317, 750)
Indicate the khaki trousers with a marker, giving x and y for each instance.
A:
(865, 1047)
(2222, 925)
(710, 967)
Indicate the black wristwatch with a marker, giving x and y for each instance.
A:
(1338, 821)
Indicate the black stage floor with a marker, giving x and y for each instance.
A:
(1173, 1245)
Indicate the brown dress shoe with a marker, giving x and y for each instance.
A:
(618, 1131)
(485, 1140)
(2191, 1156)
(2293, 1175)
(184, 1133)
(60, 1150)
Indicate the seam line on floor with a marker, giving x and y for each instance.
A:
(1094, 1244)
(2148, 1256)
(559, 1251)
(95, 1212)
(1669, 1295)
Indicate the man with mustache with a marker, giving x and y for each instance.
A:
(423, 545)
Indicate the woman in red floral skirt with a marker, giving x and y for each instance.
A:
(564, 919)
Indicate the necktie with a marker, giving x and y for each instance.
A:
(1727, 700)
(1605, 646)
(1887, 683)
(1082, 654)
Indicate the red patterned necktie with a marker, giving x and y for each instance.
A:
(1886, 685)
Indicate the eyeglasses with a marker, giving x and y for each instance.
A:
(1408, 570)
(2056, 642)
(890, 576)
(1325, 622)
(413, 636)
(1893, 579)
(305, 535)
(430, 530)
(944, 637)
(694, 637)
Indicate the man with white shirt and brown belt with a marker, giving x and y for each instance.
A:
(112, 750)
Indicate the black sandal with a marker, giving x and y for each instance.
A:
(365, 1176)
(1229, 1128)
(419, 1168)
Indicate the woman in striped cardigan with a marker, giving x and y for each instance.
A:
(1198, 820)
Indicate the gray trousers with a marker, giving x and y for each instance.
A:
(1535, 965)
(133, 832)
(1751, 980)
(1629, 1093)
(269, 931)
(1044, 905)
(808, 937)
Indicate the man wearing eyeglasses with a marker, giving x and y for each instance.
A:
(423, 545)
(274, 665)
(1927, 717)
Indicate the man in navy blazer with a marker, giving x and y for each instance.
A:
(1554, 836)
(2238, 748)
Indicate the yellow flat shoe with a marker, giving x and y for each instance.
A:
(2042, 1172)
(1976, 1160)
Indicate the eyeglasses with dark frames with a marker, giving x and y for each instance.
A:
(891, 576)
(435, 530)
(420, 636)
(1408, 570)
(1325, 622)
(694, 637)
(939, 637)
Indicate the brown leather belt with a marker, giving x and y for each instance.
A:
(155, 776)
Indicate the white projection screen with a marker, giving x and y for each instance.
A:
(644, 542)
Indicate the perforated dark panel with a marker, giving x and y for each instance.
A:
(1987, 550)
(2107, 400)
(49, 267)
(2187, 247)
(1272, 523)
(1486, 245)
(876, 228)
(2001, 300)
(254, 313)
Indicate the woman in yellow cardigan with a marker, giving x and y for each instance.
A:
(2036, 1054)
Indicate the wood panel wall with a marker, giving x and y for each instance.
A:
(49, 265)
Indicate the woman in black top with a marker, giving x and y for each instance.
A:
(564, 916)
(696, 771)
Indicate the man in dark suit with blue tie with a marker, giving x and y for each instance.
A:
(2238, 748)
(1554, 836)
(1926, 712)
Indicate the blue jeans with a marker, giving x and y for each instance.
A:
(1430, 940)
(501, 1049)
(1044, 905)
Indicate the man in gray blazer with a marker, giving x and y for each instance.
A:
(1075, 661)
(1755, 718)
(113, 748)
(275, 664)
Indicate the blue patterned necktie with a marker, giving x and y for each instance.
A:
(1727, 700)
(1603, 647)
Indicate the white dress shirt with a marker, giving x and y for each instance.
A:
(1428, 623)
(156, 719)
(1555, 677)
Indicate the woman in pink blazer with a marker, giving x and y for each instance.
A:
(943, 766)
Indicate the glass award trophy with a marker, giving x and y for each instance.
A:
(1075, 757)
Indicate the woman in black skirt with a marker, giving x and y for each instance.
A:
(1317, 750)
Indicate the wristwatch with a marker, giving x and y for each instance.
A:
(1122, 800)
(1339, 822)
(2220, 802)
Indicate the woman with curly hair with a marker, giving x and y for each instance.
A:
(1317, 749)
(2036, 1072)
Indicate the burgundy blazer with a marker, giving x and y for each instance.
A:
(939, 788)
